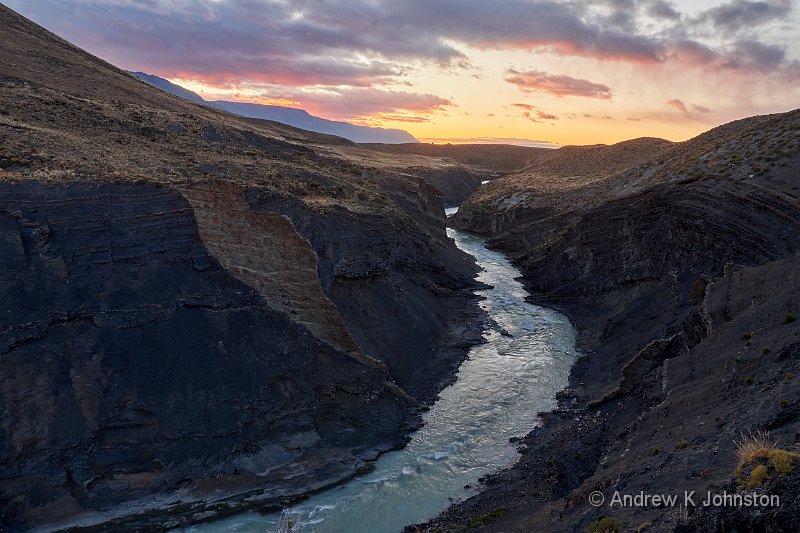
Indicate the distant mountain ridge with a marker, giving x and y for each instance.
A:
(298, 118)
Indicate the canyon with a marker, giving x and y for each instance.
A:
(204, 314)
(678, 264)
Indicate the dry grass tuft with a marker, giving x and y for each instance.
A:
(754, 446)
(759, 456)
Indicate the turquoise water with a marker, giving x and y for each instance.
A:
(499, 390)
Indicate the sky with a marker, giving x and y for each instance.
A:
(516, 71)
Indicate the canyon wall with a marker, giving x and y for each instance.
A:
(680, 273)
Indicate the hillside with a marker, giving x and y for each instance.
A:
(291, 116)
(679, 266)
(491, 158)
(167, 86)
(575, 167)
(201, 312)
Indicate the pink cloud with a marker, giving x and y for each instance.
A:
(349, 103)
(534, 114)
(557, 85)
(677, 105)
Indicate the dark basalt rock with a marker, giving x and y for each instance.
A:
(455, 185)
(133, 364)
(406, 297)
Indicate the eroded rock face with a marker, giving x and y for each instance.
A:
(264, 251)
(456, 184)
(398, 283)
(133, 363)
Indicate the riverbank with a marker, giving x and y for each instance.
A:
(681, 276)
(523, 362)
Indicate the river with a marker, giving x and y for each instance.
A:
(500, 388)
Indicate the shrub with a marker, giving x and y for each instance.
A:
(758, 477)
(789, 318)
(761, 456)
(747, 336)
(783, 461)
(783, 403)
(766, 350)
(682, 444)
(604, 525)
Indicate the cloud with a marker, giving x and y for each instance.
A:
(678, 105)
(517, 141)
(344, 41)
(375, 42)
(320, 53)
(534, 114)
(746, 56)
(743, 14)
(557, 85)
(754, 54)
(660, 9)
(358, 103)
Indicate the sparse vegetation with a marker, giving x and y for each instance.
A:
(747, 336)
(488, 518)
(682, 444)
(604, 525)
(760, 460)
(789, 318)
(765, 350)
(748, 380)
(784, 403)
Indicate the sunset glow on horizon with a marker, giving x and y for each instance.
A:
(522, 72)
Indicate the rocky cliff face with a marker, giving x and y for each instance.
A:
(132, 360)
(680, 275)
(200, 312)
(395, 286)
